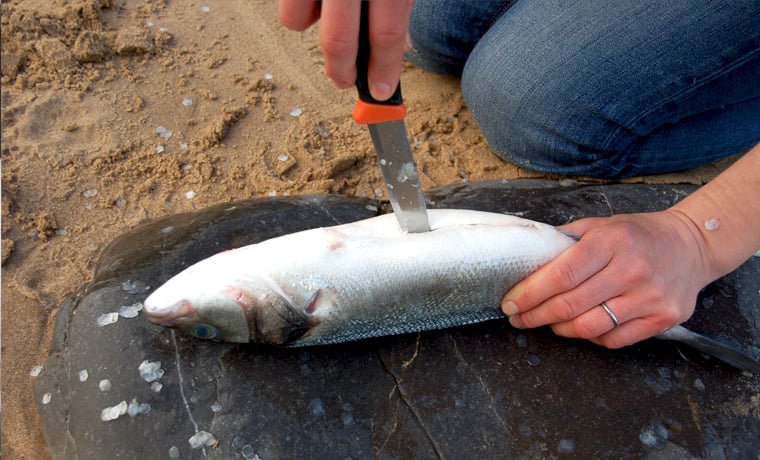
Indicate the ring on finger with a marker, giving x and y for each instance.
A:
(612, 315)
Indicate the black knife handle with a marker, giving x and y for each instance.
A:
(362, 64)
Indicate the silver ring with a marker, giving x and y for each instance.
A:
(609, 312)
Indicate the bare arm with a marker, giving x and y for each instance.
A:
(339, 36)
(649, 267)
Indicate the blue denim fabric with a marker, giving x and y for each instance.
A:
(601, 89)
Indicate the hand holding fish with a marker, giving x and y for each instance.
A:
(646, 269)
(339, 36)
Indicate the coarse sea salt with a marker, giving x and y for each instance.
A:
(190, 195)
(104, 385)
(107, 318)
(202, 438)
(296, 112)
(712, 225)
(130, 311)
(35, 372)
(187, 102)
(112, 413)
(46, 398)
(83, 375)
(150, 371)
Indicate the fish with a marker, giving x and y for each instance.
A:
(370, 278)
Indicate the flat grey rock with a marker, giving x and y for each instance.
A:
(484, 390)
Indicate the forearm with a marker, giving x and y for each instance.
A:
(725, 215)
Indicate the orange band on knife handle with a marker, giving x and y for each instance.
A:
(369, 113)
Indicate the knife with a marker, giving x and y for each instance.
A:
(385, 121)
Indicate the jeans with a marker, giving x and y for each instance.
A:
(601, 89)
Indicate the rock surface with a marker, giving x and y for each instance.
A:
(485, 389)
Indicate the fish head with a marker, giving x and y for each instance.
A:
(209, 302)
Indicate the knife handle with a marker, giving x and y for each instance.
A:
(369, 110)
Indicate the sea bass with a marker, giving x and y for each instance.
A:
(359, 280)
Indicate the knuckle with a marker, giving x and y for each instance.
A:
(388, 36)
(584, 328)
(337, 45)
(563, 277)
(564, 309)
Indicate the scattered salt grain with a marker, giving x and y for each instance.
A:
(173, 452)
(150, 371)
(120, 202)
(104, 385)
(282, 157)
(61, 232)
(187, 102)
(164, 132)
(89, 193)
(248, 453)
(202, 438)
(712, 225)
(190, 195)
(107, 318)
(112, 413)
(371, 207)
(378, 192)
(183, 147)
(238, 442)
(35, 371)
(205, 9)
(134, 286)
(160, 149)
(83, 375)
(216, 407)
(566, 446)
(296, 112)
(317, 408)
(149, 24)
(163, 29)
(46, 398)
(268, 76)
(533, 360)
(130, 311)
(133, 409)
(156, 387)
(272, 193)
(168, 229)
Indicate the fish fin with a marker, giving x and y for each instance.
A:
(731, 353)
(321, 302)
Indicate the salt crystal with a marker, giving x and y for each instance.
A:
(112, 413)
(183, 147)
(89, 193)
(134, 286)
(272, 193)
(107, 318)
(168, 229)
(216, 407)
(712, 225)
(371, 207)
(268, 76)
(120, 202)
(533, 360)
(164, 132)
(144, 408)
(133, 409)
(149, 24)
(150, 371)
(187, 102)
(190, 195)
(248, 453)
(173, 452)
(205, 9)
(160, 149)
(757, 254)
(35, 371)
(61, 232)
(378, 192)
(156, 387)
(202, 438)
(163, 29)
(238, 442)
(83, 375)
(566, 446)
(282, 157)
(104, 385)
(317, 408)
(46, 398)
(130, 311)
(296, 112)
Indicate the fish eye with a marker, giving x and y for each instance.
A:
(205, 331)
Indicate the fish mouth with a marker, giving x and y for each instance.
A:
(168, 314)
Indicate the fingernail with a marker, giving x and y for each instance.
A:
(509, 308)
(380, 91)
(515, 322)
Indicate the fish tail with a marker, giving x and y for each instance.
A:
(731, 353)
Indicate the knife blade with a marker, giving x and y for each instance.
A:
(385, 121)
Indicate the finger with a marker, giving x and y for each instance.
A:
(388, 31)
(574, 266)
(339, 36)
(297, 14)
(594, 322)
(631, 332)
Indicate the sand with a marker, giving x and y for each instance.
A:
(117, 113)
